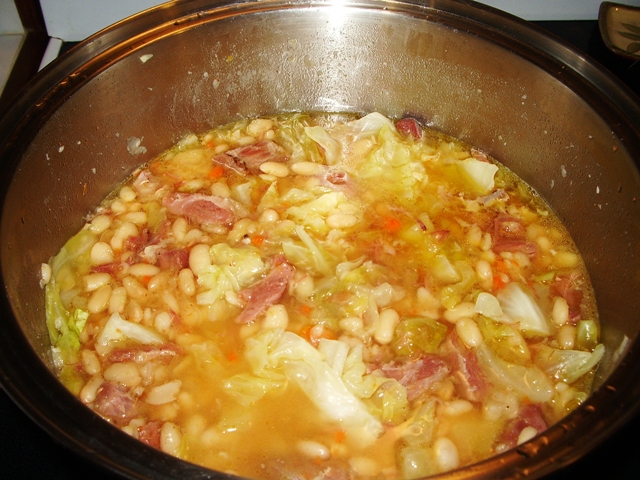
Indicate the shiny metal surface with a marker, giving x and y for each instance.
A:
(553, 117)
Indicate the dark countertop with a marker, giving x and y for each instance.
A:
(27, 452)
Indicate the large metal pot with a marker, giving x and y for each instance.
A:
(492, 80)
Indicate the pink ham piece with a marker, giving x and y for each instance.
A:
(115, 403)
(265, 293)
(409, 126)
(150, 434)
(175, 259)
(199, 208)
(509, 235)
(529, 416)
(418, 375)
(144, 353)
(250, 157)
(471, 382)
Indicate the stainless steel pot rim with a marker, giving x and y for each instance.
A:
(113, 449)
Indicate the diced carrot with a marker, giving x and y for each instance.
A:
(210, 144)
(339, 436)
(257, 240)
(392, 224)
(305, 310)
(232, 356)
(145, 280)
(216, 172)
(498, 283)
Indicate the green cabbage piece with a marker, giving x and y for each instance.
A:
(529, 381)
(415, 335)
(308, 255)
(391, 165)
(232, 269)
(277, 355)
(244, 263)
(291, 135)
(312, 214)
(65, 327)
(567, 365)
(117, 328)
(332, 148)
(587, 334)
(504, 340)
(519, 305)
(478, 175)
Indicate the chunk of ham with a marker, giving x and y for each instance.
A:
(149, 433)
(144, 353)
(529, 415)
(172, 259)
(409, 126)
(417, 375)
(471, 382)
(199, 208)
(568, 287)
(247, 159)
(509, 235)
(265, 293)
(115, 403)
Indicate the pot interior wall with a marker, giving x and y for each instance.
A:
(212, 70)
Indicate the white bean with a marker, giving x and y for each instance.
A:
(99, 300)
(314, 450)
(118, 300)
(94, 281)
(199, 258)
(468, 331)
(341, 220)
(304, 288)
(143, 270)
(179, 229)
(560, 312)
(170, 438)
(484, 273)
(186, 281)
(89, 391)
(259, 126)
(351, 324)
(101, 254)
(456, 407)
(137, 218)
(134, 288)
(100, 223)
(565, 259)
(446, 453)
(165, 393)
(566, 337)
(124, 231)
(90, 362)
(170, 300)
(127, 194)
(276, 169)
(388, 320)
(125, 373)
(163, 322)
(307, 168)
(269, 216)
(276, 316)
(526, 434)
(464, 309)
(220, 189)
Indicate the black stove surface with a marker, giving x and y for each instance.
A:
(28, 452)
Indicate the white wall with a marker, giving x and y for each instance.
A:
(553, 9)
(9, 18)
(74, 20)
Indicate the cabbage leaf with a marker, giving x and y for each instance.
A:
(277, 355)
(529, 381)
(521, 307)
(567, 365)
